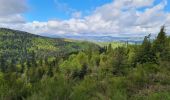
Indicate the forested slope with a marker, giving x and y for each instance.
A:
(21, 46)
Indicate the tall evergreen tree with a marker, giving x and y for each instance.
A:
(145, 53)
(161, 40)
(109, 48)
(119, 60)
(33, 59)
(161, 45)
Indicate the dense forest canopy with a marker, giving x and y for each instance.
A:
(22, 46)
(40, 68)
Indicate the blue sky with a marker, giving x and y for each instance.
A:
(167, 8)
(44, 10)
(131, 18)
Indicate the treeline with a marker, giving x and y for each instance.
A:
(134, 72)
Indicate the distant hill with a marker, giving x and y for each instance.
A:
(114, 44)
(131, 40)
(21, 45)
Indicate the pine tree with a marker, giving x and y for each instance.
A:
(119, 60)
(109, 48)
(33, 59)
(145, 53)
(160, 42)
(160, 46)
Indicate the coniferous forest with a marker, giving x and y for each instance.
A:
(33, 67)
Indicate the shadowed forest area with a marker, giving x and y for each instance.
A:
(39, 68)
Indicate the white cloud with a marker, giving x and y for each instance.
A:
(142, 3)
(11, 10)
(77, 14)
(118, 18)
(9, 7)
(17, 18)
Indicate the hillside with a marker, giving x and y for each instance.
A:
(20, 45)
(35, 68)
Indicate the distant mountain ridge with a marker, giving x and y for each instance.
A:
(99, 38)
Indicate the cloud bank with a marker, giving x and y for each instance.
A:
(118, 18)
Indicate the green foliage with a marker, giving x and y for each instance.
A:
(40, 68)
(145, 53)
(120, 59)
(113, 44)
(53, 89)
(22, 46)
(161, 40)
(161, 45)
(154, 96)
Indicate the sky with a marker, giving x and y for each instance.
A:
(118, 18)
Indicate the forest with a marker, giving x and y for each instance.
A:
(40, 68)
